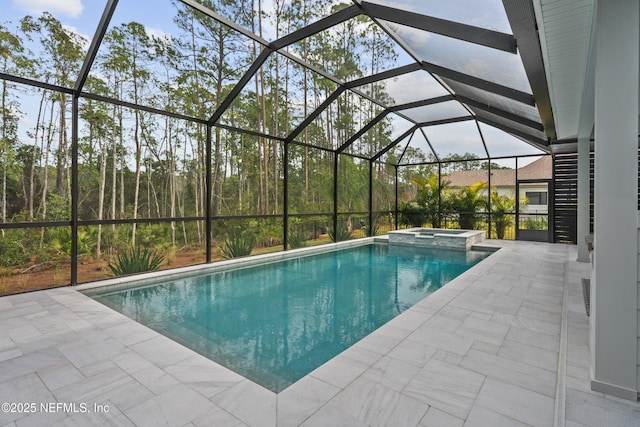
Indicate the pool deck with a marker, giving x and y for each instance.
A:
(497, 346)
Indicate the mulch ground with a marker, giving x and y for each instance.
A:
(48, 274)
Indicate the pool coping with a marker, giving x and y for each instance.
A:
(175, 273)
(87, 289)
(140, 280)
(248, 261)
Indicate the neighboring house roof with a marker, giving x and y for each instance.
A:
(540, 169)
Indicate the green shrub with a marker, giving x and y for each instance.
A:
(136, 260)
(296, 239)
(153, 234)
(466, 202)
(412, 214)
(61, 241)
(431, 198)
(238, 244)
(267, 234)
(501, 208)
(372, 231)
(533, 223)
(341, 233)
(12, 251)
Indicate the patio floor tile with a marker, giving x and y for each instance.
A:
(449, 388)
(517, 403)
(480, 351)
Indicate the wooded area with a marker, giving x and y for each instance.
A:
(135, 164)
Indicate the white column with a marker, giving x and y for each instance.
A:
(615, 294)
(583, 198)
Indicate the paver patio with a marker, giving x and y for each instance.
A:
(506, 343)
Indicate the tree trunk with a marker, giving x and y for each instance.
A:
(172, 179)
(138, 142)
(217, 158)
(103, 184)
(33, 163)
(62, 184)
(4, 146)
(45, 184)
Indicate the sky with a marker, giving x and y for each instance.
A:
(69, 8)
(82, 17)
(71, 13)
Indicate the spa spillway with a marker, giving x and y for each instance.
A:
(437, 238)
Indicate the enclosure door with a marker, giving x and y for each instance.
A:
(534, 217)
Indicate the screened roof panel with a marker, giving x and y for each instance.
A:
(164, 54)
(434, 112)
(352, 49)
(395, 152)
(168, 57)
(383, 133)
(60, 33)
(488, 14)
(418, 150)
(284, 97)
(501, 121)
(288, 15)
(500, 143)
(494, 100)
(398, 126)
(455, 138)
(405, 88)
(479, 61)
(318, 89)
(339, 121)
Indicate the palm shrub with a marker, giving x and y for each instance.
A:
(296, 239)
(61, 241)
(341, 233)
(412, 214)
(502, 208)
(136, 260)
(239, 243)
(430, 197)
(372, 229)
(466, 201)
(267, 234)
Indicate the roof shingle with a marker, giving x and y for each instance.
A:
(540, 169)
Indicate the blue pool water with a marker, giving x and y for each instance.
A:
(277, 322)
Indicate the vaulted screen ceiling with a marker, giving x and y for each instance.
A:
(440, 77)
(464, 64)
(457, 64)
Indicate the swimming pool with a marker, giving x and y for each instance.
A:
(274, 323)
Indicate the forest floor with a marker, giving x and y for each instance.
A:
(49, 274)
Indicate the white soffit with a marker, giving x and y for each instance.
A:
(564, 28)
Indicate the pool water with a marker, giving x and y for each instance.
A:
(275, 323)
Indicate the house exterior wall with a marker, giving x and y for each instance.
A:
(508, 190)
(638, 314)
(531, 208)
(615, 326)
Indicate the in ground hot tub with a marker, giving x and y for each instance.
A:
(437, 238)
